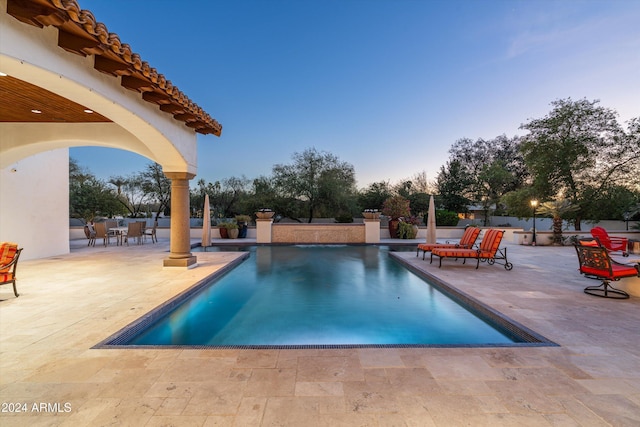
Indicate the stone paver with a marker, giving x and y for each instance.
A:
(69, 303)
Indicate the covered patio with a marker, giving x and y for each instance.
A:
(66, 81)
(71, 302)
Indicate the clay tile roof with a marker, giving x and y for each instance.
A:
(80, 33)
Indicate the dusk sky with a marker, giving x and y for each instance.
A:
(387, 86)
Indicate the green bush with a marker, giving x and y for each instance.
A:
(347, 218)
(406, 230)
(446, 218)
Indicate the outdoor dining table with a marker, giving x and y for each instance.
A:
(120, 231)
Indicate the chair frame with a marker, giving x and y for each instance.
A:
(12, 266)
(488, 251)
(592, 258)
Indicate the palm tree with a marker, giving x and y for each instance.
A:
(557, 209)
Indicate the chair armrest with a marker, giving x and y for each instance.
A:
(618, 239)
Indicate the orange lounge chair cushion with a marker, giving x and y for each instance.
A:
(488, 247)
(468, 239)
(427, 247)
(7, 254)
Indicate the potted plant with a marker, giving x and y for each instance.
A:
(243, 222)
(395, 207)
(406, 230)
(232, 230)
(223, 230)
(264, 213)
(371, 214)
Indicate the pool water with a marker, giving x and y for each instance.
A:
(320, 295)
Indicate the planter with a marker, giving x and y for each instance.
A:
(243, 230)
(233, 233)
(371, 215)
(393, 228)
(265, 215)
(223, 232)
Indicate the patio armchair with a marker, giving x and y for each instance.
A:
(595, 263)
(488, 250)
(9, 254)
(612, 244)
(466, 242)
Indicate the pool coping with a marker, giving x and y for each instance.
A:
(531, 338)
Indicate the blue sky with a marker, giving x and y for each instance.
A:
(385, 85)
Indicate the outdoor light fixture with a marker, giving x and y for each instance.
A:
(534, 205)
(626, 217)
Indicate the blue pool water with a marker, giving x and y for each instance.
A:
(320, 295)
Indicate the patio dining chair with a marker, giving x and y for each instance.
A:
(134, 231)
(90, 232)
(103, 233)
(9, 254)
(466, 242)
(488, 250)
(151, 232)
(595, 263)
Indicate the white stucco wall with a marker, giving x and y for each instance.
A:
(34, 204)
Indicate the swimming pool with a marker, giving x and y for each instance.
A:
(319, 296)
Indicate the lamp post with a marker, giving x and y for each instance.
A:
(534, 205)
(626, 217)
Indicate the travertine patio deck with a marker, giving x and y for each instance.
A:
(69, 303)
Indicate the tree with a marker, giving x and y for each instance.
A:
(374, 195)
(319, 180)
(481, 172)
(156, 185)
(131, 194)
(452, 184)
(557, 209)
(578, 150)
(89, 196)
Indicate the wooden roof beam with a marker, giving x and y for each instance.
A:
(79, 45)
(156, 98)
(136, 84)
(111, 67)
(37, 15)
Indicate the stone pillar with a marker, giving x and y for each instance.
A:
(372, 230)
(263, 230)
(180, 243)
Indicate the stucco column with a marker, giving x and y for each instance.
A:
(180, 243)
(263, 230)
(372, 230)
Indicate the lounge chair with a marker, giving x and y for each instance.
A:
(466, 242)
(489, 250)
(9, 254)
(595, 263)
(613, 244)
